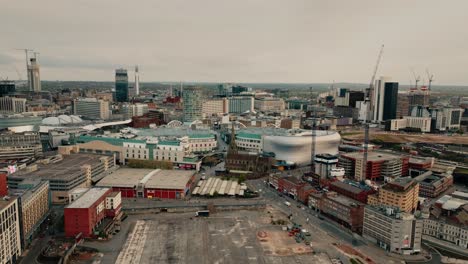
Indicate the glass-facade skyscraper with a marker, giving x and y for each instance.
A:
(7, 87)
(121, 85)
(192, 97)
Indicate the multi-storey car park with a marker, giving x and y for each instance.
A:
(65, 172)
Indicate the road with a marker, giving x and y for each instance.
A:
(329, 232)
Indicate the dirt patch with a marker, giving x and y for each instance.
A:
(352, 252)
(276, 242)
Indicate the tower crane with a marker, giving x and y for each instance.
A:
(430, 78)
(26, 52)
(416, 79)
(366, 123)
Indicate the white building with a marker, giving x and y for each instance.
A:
(10, 238)
(12, 105)
(456, 234)
(91, 108)
(215, 107)
(269, 104)
(133, 150)
(138, 109)
(394, 231)
(447, 118)
(202, 143)
(422, 123)
(378, 98)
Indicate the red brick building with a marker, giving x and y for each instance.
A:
(352, 190)
(341, 209)
(3, 185)
(83, 216)
(290, 186)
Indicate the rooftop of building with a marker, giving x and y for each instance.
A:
(88, 198)
(6, 201)
(124, 177)
(341, 199)
(59, 167)
(372, 156)
(402, 184)
(348, 187)
(271, 131)
(164, 179)
(27, 188)
(392, 212)
(170, 179)
(293, 180)
(113, 194)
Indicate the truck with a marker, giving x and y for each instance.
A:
(287, 204)
(203, 213)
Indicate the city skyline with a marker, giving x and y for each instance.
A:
(261, 41)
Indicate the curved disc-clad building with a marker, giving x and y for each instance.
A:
(294, 145)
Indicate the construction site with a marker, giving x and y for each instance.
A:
(264, 236)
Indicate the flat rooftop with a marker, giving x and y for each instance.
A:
(5, 203)
(88, 198)
(170, 179)
(150, 178)
(62, 169)
(372, 156)
(124, 177)
(342, 199)
(270, 131)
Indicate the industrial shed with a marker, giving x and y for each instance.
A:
(148, 183)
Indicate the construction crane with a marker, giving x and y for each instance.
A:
(312, 147)
(26, 52)
(430, 78)
(366, 123)
(416, 79)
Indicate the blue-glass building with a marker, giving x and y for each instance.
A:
(121, 85)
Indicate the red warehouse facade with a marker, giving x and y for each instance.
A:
(87, 212)
(149, 183)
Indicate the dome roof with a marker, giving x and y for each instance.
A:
(61, 120)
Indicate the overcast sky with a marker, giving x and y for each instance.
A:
(237, 41)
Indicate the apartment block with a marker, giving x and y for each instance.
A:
(401, 193)
(33, 202)
(10, 238)
(392, 230)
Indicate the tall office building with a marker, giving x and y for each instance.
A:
(7, 87)
(121, 85)
(384, 100)
(390, 100)
(192, 97)
(34, 76)
(137, 81)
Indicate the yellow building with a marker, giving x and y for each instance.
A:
(401, 193)
(34, 206)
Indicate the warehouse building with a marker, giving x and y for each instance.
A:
(392, 230)
(64, 173)
(148, 183)
(84, 216)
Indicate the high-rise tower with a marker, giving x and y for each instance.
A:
(34, 76)
(137, 81)
(192, 97)
(384, 99)
(121, 85)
